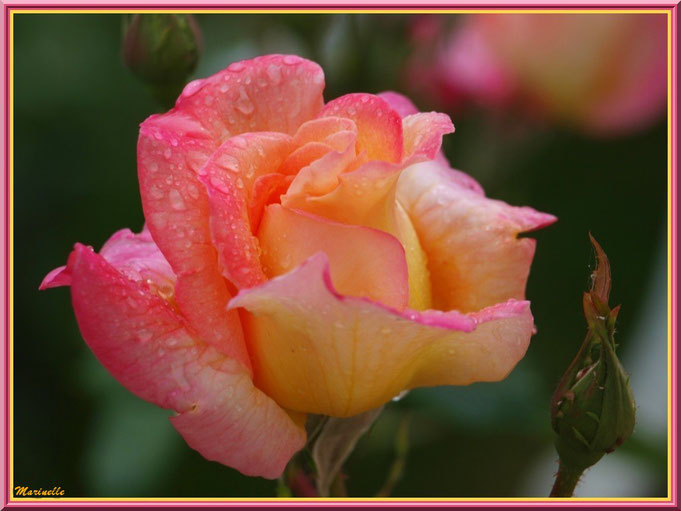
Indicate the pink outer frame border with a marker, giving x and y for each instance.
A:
(5, 303)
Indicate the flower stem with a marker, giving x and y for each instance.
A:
(566, 481)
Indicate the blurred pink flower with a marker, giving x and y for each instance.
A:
(605, 73)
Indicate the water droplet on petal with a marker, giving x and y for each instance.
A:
(236, 67)
(192, 88)
(193, 191)
(219, 184)
(274, 73)
(244, 103)
(144, 335)
(239, 142)
(167, 154)
(176, 200)
(400, 395)
(155, 192)
(134, 304)
(291, 60)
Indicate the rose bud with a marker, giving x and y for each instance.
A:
(162, 50)
(593, 409)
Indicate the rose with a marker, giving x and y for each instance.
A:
(299, 258)
(605, 74)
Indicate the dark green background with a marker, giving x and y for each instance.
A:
(77, 111)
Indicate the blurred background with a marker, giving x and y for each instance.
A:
(562, 113)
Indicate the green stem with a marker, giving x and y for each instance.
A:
(566, 481)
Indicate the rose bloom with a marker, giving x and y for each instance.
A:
(299, 257)
(605, 74)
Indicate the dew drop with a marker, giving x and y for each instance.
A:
(291, 60)
(176, 200)
(239, 142)
(193, 191)
(239, 183)
(208, 100)
(167, 154)
(218, 184)
(192, 88)
(153, 167)
(224, 87)
(144, 336)
(133, 303)
(237, 67)
(244, 103)
(166, 292)
(155, 192)
(274, 73)
(400, 395)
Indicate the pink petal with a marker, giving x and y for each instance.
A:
(229, 176)
(171, 149)
(366, 197)
(303, 332)
(147, 348)
(268, 93)
(379, 127)
(364, 262)
(56, 278)
(474, 256)
(423, 135)
(137, 257)
(322, 130)
(400, 103)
